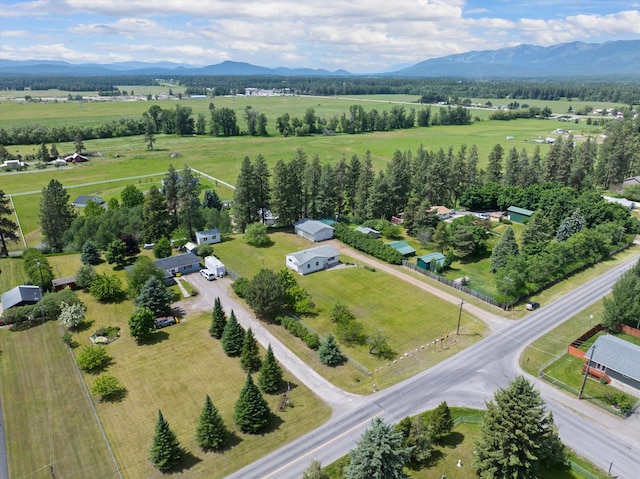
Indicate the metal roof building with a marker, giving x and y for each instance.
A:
(617, 358)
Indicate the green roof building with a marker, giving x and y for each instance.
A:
(403, 247)
(427, 260)
(518, 215)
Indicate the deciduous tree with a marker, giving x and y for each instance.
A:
(162, 248)
(131, 196)
(93, 358)
(265, 293)
(116, 253)
(256, 235)
(142, 323)
(71, 315)
(142, 270)
(106, 287)
(314, 471)
(107, 387)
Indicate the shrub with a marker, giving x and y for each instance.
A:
(93, 358)
(107, 387)
(240, 286)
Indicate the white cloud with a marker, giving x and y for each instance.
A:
(14, 33)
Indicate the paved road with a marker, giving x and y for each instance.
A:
(469, 379)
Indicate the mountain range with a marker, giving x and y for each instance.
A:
(576, 59)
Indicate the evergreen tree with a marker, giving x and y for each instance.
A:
(245, 206)
(571, 225)
(329, 351)
(155, 217)
(211, 433)
(116, 253)
(211, 200)
(440, 423)
(8, 228)
(232, 336)
(379, 454)
(155, 296)
(517, 436)
(188, 202)
(170, 186)
(90, 253)
(270, 376)
(494, 167)
(218, 320)
(623, 306)
(442, 237)
(536, 234)
(131, 196)
(506, 247)
(261, 185)
(251, 412)
(142, 323)
(250, 356)
(55, 215)
(512, 168)
(165, 449)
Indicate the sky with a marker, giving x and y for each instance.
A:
(360, 36)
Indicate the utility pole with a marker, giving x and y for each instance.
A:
(586, 373)
(459, 316)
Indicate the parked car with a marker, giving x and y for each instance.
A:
(532, 305)
(208, 274)
(166, 321)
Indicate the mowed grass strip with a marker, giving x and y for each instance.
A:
(47, 416)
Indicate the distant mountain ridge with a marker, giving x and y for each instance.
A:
(523, 61)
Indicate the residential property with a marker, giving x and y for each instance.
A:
(368, 231)
(313, 230)
(518, 215)
(621, 201)
(190, 247)
(617, 358)
(267, 217)
(173, 265)
(12, 164)
(633, 181)
(208, 236)
(82, 200)
(215, 265)
(21, 296)
(76, 158)
(403, 247)
(62, 283)
(313, 259)
(442, 212)
(431, 261)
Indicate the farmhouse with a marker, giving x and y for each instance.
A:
(21, 296)
(82, 200)
(208, 236)
(432, 259)
(518, 215)
(617, 358)
(313, 259)
(76, 158)
(173, 265)
(403, 247)
(313, 230)
(368, 231)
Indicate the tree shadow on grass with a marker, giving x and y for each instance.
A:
(155, 338)
(434, 459)
(453, 440)
(177, 312)
(274, 424)
(83, 326)
(116, 396)
(187, 461)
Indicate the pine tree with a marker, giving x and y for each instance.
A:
(232, 336)
(218, 320)
(165, 449)
(155, 296)
(211, 432)
(329, 351)
(379, 454)
(506, 247)
(270, 376)
(517, 435)
(8, 227)
(155, 224)
(56, 214)
(251, 412)
(494, 166)
(90, 253)
(440, 424)
(250, 356)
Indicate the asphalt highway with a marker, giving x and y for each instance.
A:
(469, 379)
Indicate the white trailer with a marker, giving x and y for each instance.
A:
(214, 264)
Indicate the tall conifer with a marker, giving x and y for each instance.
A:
(165, 450)
(251, 412)
(211, 432)
(232, 337)
(218, 319)
(270, 376)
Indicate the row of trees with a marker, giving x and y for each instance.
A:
(623, 306)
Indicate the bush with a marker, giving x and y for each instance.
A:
(240, 286)
(93, 358)
(107, 387)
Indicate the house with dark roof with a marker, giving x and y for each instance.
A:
(313, 230)
(632, 181)
(173, 265)
(431, 261)
(21, 296)
(313, 259)
(518, 215)
(617, 358)
(62, 283)
(82, 200)
(403, 247)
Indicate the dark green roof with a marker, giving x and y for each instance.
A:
(521, 211)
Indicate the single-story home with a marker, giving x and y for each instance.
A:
(633, 181)
(21, 296)
(518, 215)
(617, 358)
(427, 260)
(313, 230)
(82, 200)
(76, 158)
(442, 212)
(12, 164)
(403, 247)
(368, 231)
(61, 283)
(313, 259)
(208, 236)
(173, 265)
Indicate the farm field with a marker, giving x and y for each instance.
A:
(173, 373)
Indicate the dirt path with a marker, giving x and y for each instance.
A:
(494, 321)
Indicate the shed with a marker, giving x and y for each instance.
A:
(208, 236)
(617, 358)
(426, 261)
(368, 231)
(403, 247)
(518, 215)
(190, 247)
(82, 200)
(313, 230)
(313, 259)
(61, 283)
(21, 296)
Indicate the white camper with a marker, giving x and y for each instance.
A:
(214, 264)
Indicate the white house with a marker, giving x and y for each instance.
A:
(313, 230)
(208, 236)
(313, 259)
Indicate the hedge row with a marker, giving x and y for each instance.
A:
(25, 317)
(366, 244)
(299, 330)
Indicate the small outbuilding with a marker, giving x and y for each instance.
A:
(518, 215)
(313, 230)
(403, 247)
(208, 236)
(313, 259)
(617, 358)
(21, 296)
(82, 200)
(368, 231)
(431, 261)
(62, 283)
